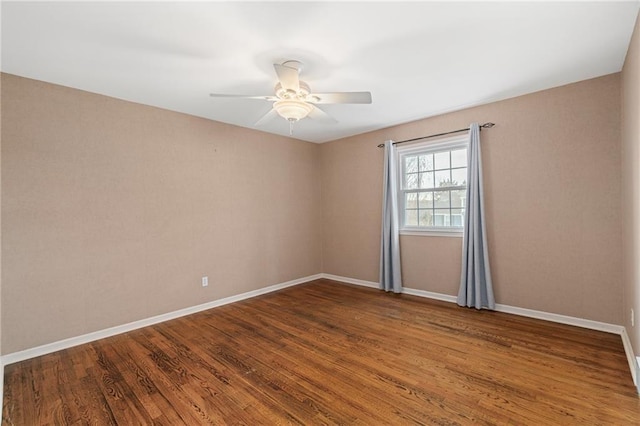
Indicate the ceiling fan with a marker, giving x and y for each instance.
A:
(293, 99)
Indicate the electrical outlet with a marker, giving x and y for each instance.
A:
(205, 281)
(633, 320)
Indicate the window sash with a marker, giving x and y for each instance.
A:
(443, 218)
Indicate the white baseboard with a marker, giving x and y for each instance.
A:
(530, 313)
(430, 295)
(101, 334)
(561, 319)
(354, 281)
(631, 359)
(637, 381)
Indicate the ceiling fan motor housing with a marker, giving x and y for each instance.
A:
(302, 94)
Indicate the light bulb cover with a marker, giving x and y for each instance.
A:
(292, 110)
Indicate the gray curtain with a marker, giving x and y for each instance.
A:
(390, 276)
(476, 289)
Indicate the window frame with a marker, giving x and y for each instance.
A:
(447, 144)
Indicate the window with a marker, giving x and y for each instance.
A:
(433, 187)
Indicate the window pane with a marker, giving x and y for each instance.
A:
(443, 178)
(441, 198)
(411, 217)
(412, 181)
(459, 158)
(458, 198)
(459, 176)
(441, 217)
(425, 200)
(442, 160)
(426, 180)
(426, 218)
(426, 162)
(457, 217)
(426, 176)
(411, 200)
(410, 164)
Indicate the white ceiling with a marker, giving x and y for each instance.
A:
(418, 59)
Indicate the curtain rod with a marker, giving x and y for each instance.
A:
(482, 126)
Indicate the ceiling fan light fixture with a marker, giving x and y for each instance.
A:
(292, 110)
(294, 100)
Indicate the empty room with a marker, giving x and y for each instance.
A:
(373, 213)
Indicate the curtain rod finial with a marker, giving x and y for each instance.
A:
(488, 125)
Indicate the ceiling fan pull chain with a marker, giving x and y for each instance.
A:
(290, 127)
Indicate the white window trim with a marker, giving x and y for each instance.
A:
(449, 143)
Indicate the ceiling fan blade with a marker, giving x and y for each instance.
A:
(289, 79)
(264, 98)
(341, 98)
(267, 117)
(319, 115)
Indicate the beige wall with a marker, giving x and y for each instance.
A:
(112, 211)
(552, 185)
(631, 187)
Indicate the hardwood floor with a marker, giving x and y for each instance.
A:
(329, 353)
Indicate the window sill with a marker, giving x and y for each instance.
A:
(456, 233)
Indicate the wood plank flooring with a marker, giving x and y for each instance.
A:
(329, 353)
